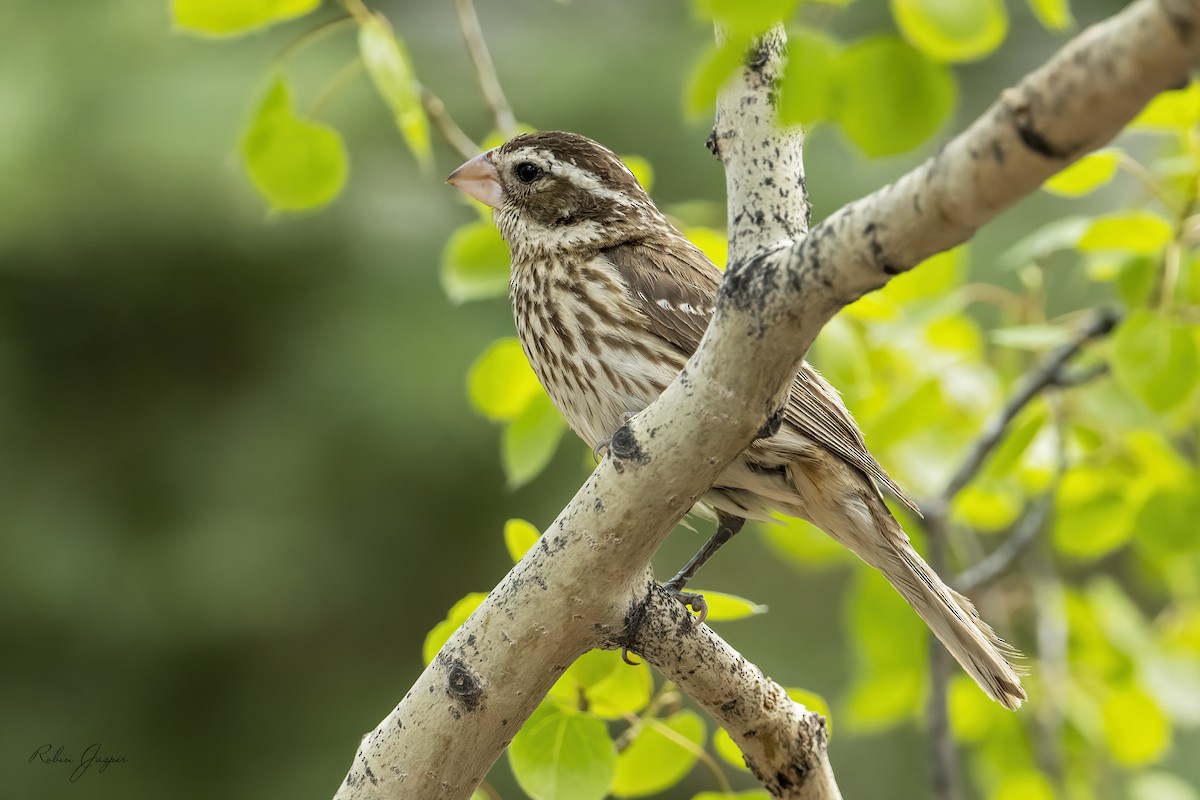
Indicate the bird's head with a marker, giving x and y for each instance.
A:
(555, 191)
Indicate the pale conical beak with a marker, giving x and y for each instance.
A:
(479, 179)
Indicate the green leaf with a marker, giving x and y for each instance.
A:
(501, 383)
(1141, 232)
(563, 755)
(602, 683)
(961, 30)
(235, 17)
(1136, 729)
(519, 536)
(1055, 15)
(1173, 112)
(1092, 516)
(724, 607)
(457, 615)
(711, 72)
(728, 750)
(387, 62)
(296, 164)
(808, 92)
(530, 441)
(879, 700)
(893, 97)
(1166, 524)
(1061, 234)
(753, 794)
(475, 263)
(742, 17)
(1086, 175)
(661, 755)
(1156, 359)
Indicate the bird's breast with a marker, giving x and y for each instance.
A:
(587, 344)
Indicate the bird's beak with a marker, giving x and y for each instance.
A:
(479, 179)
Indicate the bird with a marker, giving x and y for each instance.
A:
(610, 300)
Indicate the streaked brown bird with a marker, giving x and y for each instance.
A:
(611, 300)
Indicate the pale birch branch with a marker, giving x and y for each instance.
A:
(588, 580)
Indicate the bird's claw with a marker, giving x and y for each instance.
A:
(690, 600)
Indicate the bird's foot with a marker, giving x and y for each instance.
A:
(603, 444)
(690, 600)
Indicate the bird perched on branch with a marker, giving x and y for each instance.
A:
(611, 300)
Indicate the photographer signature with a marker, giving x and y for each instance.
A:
(49, 754)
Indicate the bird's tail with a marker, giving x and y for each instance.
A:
(861, 521)
(951, 616)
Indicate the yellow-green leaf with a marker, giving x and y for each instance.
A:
(932, 279)
(603, 684)
(563, 755)
(475, 263)
(1055, 15)
(715, 67)
(235, 17)
(501, 383)
(1156, 359)
(1142, 232)
(713, 243)
(728, 750)
(972, 713)
(742, 17)
(808, 92)
(960, 30)
(519, 536)
(1136, 729)
(813, 702)
(1092, 516)
(530, 441)
(386, 59)
(1175, 112)
(455, 617)
(1085, 175)
(642, 169)
(893, 97)
(661, 755)
(1027, 784)
(295, 163)
(724, 607)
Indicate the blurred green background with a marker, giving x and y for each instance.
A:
(239, 475)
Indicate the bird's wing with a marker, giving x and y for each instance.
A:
(676, 290)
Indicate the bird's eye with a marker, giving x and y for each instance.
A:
(527, 172)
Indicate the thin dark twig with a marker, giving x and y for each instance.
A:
(435, 109)
(1045, 375)
(1020, 536)
(489, 82)
(944, 773)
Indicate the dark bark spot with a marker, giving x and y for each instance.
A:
(464, 685)
(624, 446)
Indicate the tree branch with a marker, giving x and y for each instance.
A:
(435, 109)
(588, 580)
(485, 70)
(1049, 373)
